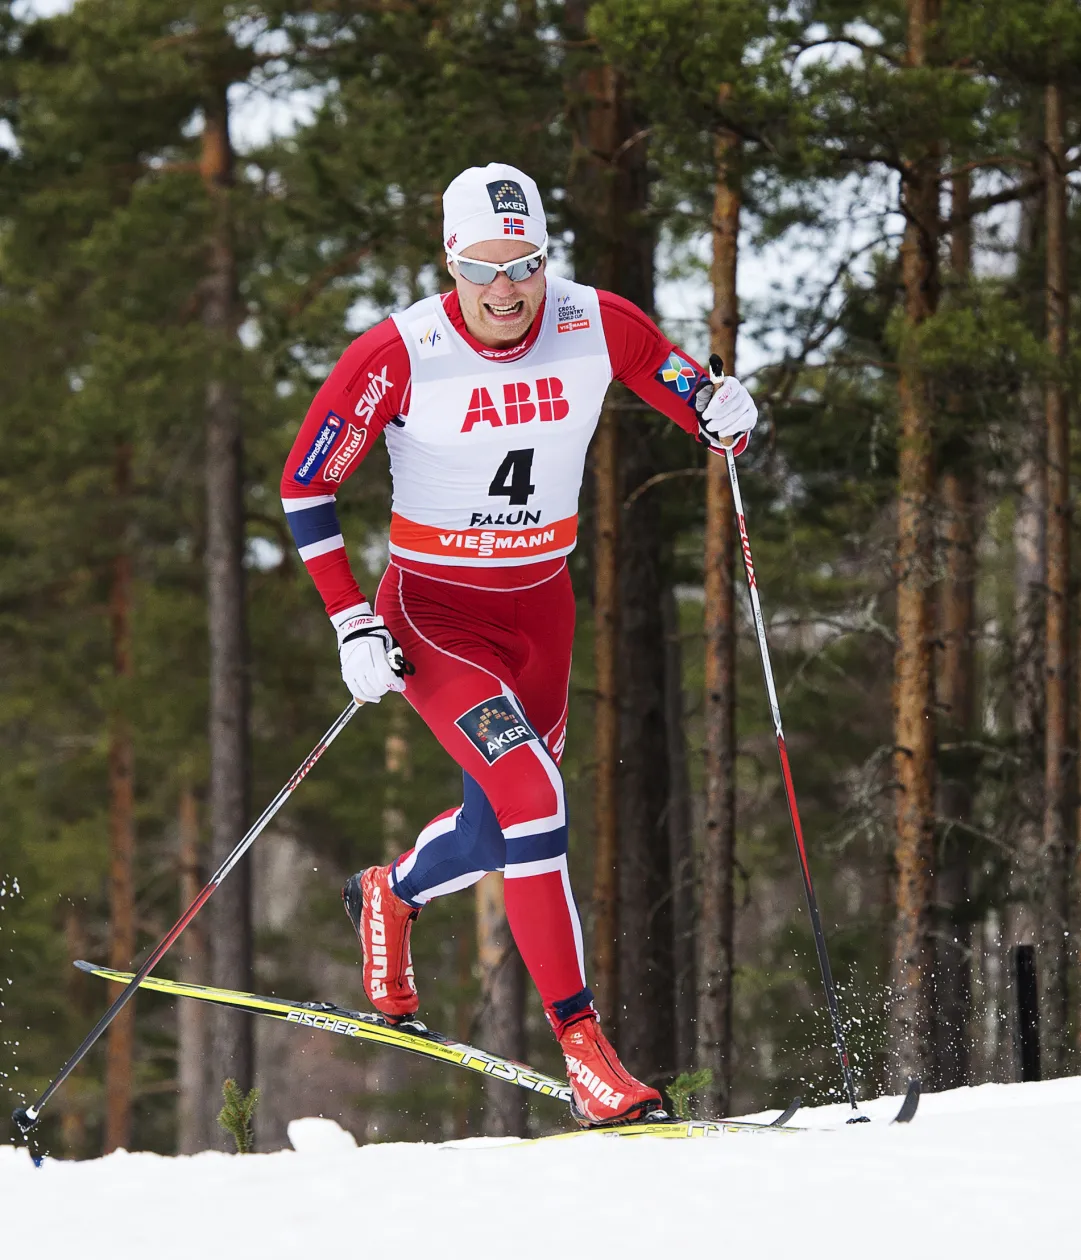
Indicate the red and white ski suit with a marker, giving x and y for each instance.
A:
(487, 452)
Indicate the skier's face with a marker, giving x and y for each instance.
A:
(499, 313)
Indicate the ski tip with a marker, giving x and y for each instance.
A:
(787, 1114)
(911, 1102)
(83, 965)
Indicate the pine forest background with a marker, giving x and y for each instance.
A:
(172, 294)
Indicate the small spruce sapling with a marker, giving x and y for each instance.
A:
(686, 1084)
(236, 1116)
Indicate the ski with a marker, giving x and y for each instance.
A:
(366, 1026)
(415, 1038)
(674, 1128)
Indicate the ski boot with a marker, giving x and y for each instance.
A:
(604, 1092)
(382, 922)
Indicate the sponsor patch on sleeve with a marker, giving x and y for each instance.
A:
(681, 377)
(495, 728)
(320, 448)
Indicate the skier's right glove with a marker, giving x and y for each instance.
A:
(372, 659)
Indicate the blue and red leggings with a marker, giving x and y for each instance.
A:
(491, 682)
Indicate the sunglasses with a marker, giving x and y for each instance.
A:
(485, 273)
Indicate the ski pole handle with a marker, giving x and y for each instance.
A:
(716, 375)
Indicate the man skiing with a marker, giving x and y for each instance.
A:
(488, 397)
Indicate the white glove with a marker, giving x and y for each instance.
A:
(372, 660)
(729, 414)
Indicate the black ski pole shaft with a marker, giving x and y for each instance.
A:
(27, 1117)
(716, 373)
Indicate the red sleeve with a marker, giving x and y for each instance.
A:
(367, 390)
(646, 361)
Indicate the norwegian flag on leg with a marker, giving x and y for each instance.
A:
(513, 227)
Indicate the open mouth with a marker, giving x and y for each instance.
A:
(509, 310)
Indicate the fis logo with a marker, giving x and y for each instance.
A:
(520, 404)
(507, 197)
(374, 393)
(319, 449)
(339, 464)
(494, 728)
(430, 338)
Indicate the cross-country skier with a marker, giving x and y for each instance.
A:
(487, 397)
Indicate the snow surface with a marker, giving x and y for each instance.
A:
(984, 1172)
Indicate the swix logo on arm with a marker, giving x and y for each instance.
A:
(494, 728)
(320, 448)
(374, 393)
(521, 403)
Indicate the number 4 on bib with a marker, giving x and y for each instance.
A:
(512, 478)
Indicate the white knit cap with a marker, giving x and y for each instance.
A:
(492, 203)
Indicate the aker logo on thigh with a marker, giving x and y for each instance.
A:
(494, 728)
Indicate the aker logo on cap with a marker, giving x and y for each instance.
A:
(507, 197)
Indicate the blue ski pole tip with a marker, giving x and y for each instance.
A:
(38, 1160)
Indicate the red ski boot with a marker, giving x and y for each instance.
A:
(604, 1091)
(382, 922)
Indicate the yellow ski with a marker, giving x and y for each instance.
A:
(414, 1037)
(365, 1026)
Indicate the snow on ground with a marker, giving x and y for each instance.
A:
(987, 1172)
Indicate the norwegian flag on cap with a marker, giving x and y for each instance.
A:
(514, 227)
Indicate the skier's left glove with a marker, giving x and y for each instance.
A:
(729, 414)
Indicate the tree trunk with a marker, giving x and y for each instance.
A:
(1058, 793)
(1021, 916)
(191, 1017)
(914, 733)
(120, 1043)
(230, 915)
(501, 1024)
(646, 979)
(680, 842)
(605, 970)
(717, 856)
(955, 689)
(593, 200)
(71, 1099)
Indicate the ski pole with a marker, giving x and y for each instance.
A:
(716, 375)
(27, 1117)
